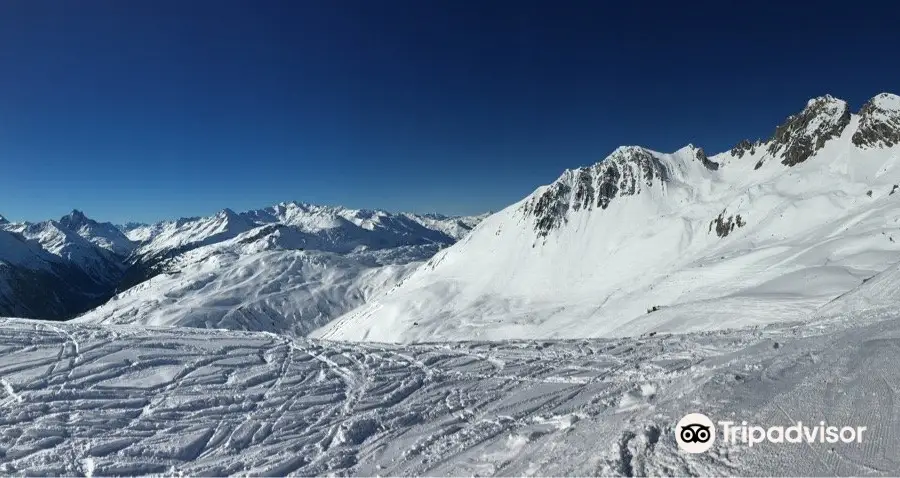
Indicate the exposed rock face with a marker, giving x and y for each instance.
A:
(707, 163)
(624, 173)
(805, 133)
(879, 122)
(725, 225)
(742, 148)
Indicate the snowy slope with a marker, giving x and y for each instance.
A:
(124, 400)
(261, 280)
(645, 241)
(878, 293)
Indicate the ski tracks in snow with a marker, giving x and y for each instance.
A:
(94, 400)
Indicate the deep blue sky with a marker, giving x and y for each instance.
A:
(152, 109)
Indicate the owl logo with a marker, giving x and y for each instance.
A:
(695, 433)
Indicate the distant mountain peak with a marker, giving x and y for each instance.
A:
(879, 122)
(75, 219)
(227, 213)
(3, 220)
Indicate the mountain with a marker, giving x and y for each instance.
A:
(57, 269)
(38, 283)
(104, 235)
(323, 228)
(296, 265)
(341, 229)
(261, 280)
(70, 248)
(644, 241)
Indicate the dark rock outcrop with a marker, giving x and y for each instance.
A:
(742, 148)
(805, 133)
(707, 163)
(624, 173)
(725, 225)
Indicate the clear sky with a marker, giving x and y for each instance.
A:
(151, 109)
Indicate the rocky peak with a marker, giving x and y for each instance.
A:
(74, 220)
(3, 220)
(227, 214)
(805, 133)
(879, 122)
(229, 217)
(625, 172)
(744, 147)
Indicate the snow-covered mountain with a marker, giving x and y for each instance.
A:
(262, 280)
(103, 266)
(322, 228)
(41, 283)
(307, 265)
(102, 234)
(647, 241)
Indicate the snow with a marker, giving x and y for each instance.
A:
(258, 282)
(812, 232)
(81, 399)
(887, 101)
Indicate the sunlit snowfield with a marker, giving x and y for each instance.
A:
(124, 400)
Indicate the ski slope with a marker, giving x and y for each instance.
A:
(654, 242)
(124, 400)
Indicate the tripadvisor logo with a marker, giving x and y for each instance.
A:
(695, 433)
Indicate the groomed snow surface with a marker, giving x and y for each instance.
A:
(125, 400)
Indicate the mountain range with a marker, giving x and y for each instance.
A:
(645, 242)
(58, 269)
